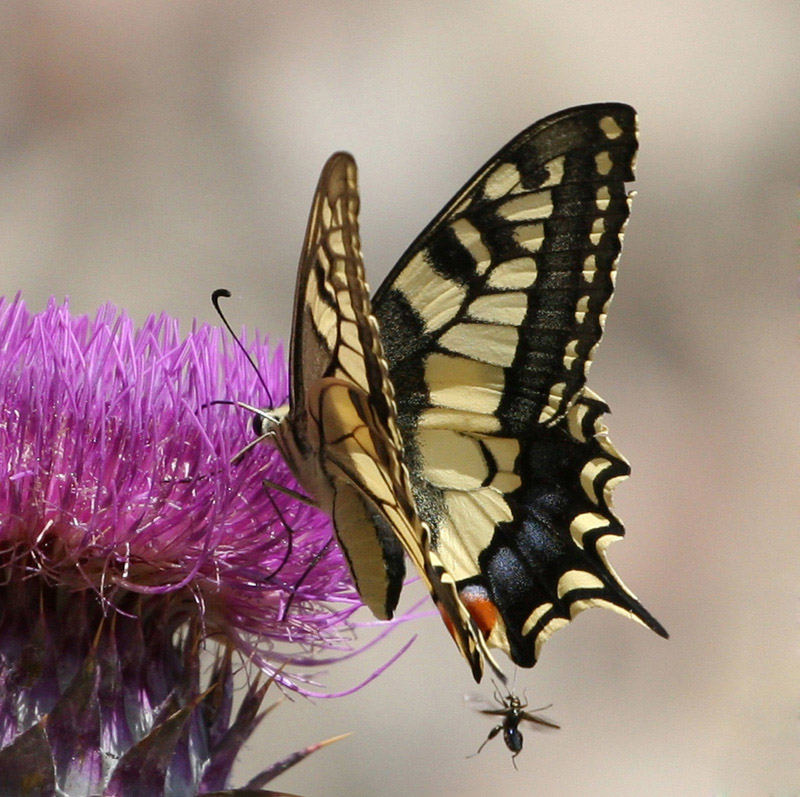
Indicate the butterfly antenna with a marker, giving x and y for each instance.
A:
(215, 297)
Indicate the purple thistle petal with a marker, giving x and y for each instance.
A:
(128, 537)
(120, 475)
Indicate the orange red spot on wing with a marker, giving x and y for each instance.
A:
(481, 608)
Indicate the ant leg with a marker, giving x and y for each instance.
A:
(492, 733)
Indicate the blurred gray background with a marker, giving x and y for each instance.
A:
(154, 151)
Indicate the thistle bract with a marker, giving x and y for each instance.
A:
(128, 537)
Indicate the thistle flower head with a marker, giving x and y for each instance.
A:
(128, 536)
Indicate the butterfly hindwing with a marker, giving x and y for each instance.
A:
(489, 322)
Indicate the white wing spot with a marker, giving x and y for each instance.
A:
(452, 460)
(603, 162)
(570, 354)
(505, 451)
(592, 470)
(602, 197)
(527, 207)
(540, 611)
(575, 418)
(530, 236)
(463, 384)
(589, 268)
(470, 238)
(460, 420)
(598, 228)
(554, 400)
(577, 579)
(555, 170)
(587, 522)
(479, 511)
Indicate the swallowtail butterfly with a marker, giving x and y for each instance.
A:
(449, 417)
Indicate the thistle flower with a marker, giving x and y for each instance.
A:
(128, 539)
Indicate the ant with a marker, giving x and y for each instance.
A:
(512, 709)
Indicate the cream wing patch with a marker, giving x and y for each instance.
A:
(458, 461)
(508, 308)
(479, 510)
(435, 298)
(462, 383)
(527, 207)
(518, 273)
(491, 344)
(501, 181)
(470, 238)
(459, 420)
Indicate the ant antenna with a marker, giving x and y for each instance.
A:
(215, 297)
(498, 695)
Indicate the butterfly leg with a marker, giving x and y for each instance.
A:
(304, 499)
(320, 553)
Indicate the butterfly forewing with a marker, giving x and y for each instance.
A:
(489, 322)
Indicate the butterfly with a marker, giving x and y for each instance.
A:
(448, 418)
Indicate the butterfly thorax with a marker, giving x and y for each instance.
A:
(299, 445)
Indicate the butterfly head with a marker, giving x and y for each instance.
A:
(265, 422)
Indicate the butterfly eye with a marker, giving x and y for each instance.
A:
(266, 421)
